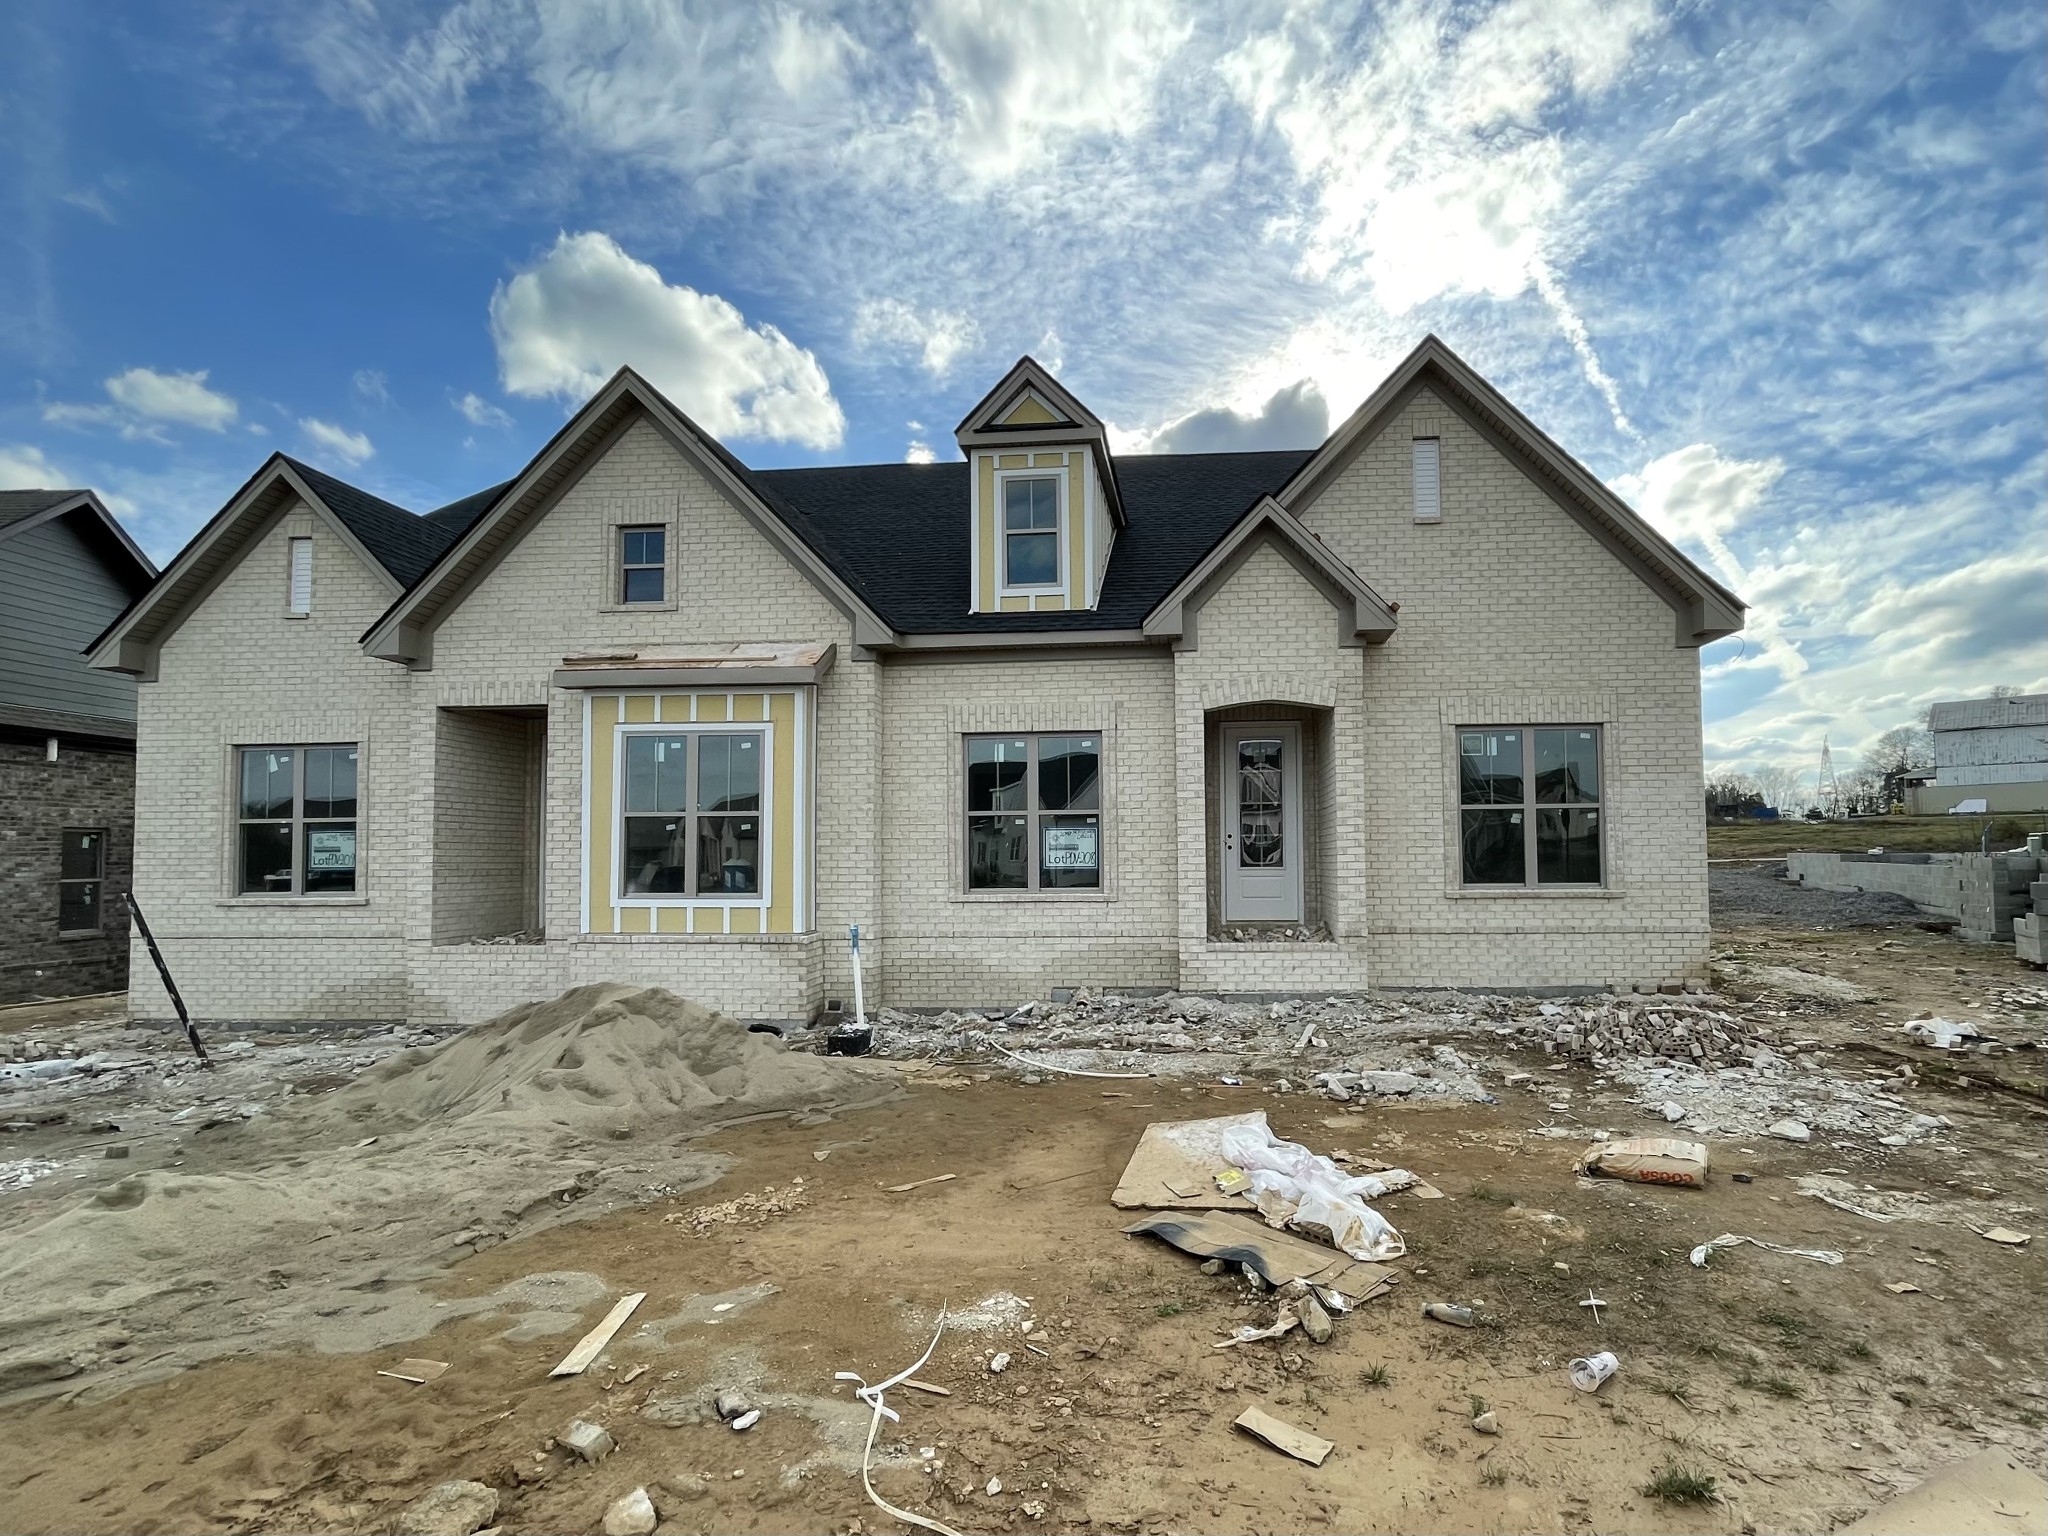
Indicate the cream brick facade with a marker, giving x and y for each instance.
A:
(472, 777)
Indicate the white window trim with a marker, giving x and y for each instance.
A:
(1610, 886)
(766, 730)
(1058, 475)
(232, 895)
(957, 815)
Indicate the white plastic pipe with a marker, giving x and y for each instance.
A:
(860, 1011)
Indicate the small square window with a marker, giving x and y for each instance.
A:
(643, 565)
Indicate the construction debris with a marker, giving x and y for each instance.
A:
(1706, 1250)
(1273, 1256)
(1282, 1436)
(449, 1509)
(1648, 1160)
(592, 1344)
(589, 1442)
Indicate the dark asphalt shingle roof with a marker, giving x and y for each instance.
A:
(898, 533)
(15, 505)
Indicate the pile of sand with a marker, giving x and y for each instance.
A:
(318, 1225)
(597, 1060)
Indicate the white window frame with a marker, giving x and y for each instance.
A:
(1034, 889)
(620, 566)
(762, 900)
(1058, 475)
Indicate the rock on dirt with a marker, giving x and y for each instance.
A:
(450, 1509)
(1762, 892)
(631, 1514)
(591, 1442)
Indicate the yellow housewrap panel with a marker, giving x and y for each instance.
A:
(1077, 535)
(783, 793)
(634, 920)
(711, 706)
(604, 716)
(640, 709)
(750, 706)
(671, 920)
(745, 920)
(675, 708)
(985, 532)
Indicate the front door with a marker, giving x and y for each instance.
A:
(1261, 809)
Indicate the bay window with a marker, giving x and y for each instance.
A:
(691, 817)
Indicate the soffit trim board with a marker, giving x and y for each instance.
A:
(794, 666)
(1016, 639)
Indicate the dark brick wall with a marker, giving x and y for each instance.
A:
(88, 786)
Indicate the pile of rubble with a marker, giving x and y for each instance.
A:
(1630, 1027)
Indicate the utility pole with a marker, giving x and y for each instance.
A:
(1827, 787)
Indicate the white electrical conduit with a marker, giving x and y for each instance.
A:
(872, 1396)
(1046, 1066)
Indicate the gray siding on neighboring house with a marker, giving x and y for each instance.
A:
(56, 595)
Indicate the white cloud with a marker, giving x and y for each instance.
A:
(1294, 417)
(1696, 496)
(919, 452)
(479, 412)
(182, 398)
(1024, 76)
(24, 467)
(371, 385)
(142, 401)
(586, 308)
(349, 447)
(938, 337)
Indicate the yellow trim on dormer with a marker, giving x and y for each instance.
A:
(1029, 411)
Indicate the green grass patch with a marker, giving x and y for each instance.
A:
(1376, 1375)
(1168, 1309)
(1675, 1484)
(1494, 1477)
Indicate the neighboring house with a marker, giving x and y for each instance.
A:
(1418, 708)
(1994, 750)
(67, 746)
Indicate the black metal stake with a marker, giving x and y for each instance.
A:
(170, 986)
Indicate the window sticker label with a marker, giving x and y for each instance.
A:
(1071, 847)
(331, 850)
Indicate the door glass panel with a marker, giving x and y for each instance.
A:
(995, 774)
(1493, 847)
(267, 786)
(1261, 835)
(729, 773)
(996, 852)
(1069, 773)
(1490, 767)
(655, 853)
(728, 855)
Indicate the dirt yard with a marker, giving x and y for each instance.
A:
(1808, 1392)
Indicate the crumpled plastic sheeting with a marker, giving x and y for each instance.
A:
(1294, 1187)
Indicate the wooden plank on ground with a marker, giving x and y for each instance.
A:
(1283, 1436)
(592, 1343)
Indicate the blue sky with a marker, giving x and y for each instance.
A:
(1778, 273)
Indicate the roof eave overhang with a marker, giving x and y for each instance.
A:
(89, 501)
(1706, 610)
(404, 632)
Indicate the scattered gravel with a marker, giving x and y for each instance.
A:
(1762, 891)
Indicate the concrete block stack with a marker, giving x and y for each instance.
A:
(2030, 929)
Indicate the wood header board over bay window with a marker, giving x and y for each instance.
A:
(1529, 807)
(697, 812)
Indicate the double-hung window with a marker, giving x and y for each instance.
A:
(1031, 531)
(1034, 813)
(643, 564)
(81, 873)
(297, 821)
(1529, 805)
(691, 826)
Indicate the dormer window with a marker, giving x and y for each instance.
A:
(1031, 531)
